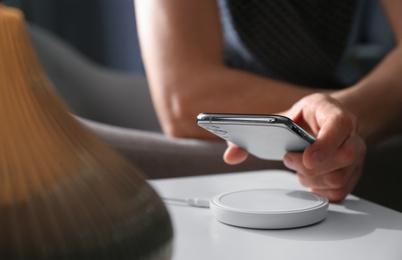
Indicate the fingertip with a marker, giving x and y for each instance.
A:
(234, 155)
(289, 162)
(334, 196)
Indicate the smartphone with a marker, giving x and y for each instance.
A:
(267, 137)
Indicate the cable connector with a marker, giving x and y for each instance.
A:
(198, 202)
(193, 202)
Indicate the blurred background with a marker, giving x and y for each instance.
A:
(90, 51)
(104, 30)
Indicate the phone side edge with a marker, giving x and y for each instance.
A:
(203, 118)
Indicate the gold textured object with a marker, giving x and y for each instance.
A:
(63, 193)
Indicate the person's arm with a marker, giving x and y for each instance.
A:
(181, 43)
(344, 122)
(376, 100)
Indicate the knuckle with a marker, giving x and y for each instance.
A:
(303, 180)
(348, 156)
(351, 152)
(344, 120)
(320, 96)
(308, 174)
(355, 121)
(337, 180)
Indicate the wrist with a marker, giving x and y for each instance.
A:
(374, 111)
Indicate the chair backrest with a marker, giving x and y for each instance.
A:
(92, 91)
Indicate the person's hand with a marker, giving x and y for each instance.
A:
(333, 164)
(234, 154)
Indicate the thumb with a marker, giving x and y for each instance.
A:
(234, 154)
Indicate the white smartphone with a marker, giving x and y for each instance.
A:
(267, 137)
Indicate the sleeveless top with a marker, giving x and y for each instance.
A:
(298, 41)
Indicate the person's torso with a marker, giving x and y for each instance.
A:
(300, 42)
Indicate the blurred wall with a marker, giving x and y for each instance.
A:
(103, 30)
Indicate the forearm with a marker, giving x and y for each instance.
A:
(377, 99)
(181, 43)
(221, 90)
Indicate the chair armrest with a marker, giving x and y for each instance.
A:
(159, 156)
(92, 91)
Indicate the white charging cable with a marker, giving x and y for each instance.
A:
(193, 202)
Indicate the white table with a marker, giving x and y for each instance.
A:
(354, 229)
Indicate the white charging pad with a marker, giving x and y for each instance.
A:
(269, 208)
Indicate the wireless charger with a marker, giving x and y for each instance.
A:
(269, 208)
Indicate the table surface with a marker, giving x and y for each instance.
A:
(353, 229)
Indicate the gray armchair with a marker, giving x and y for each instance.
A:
(118, 108)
